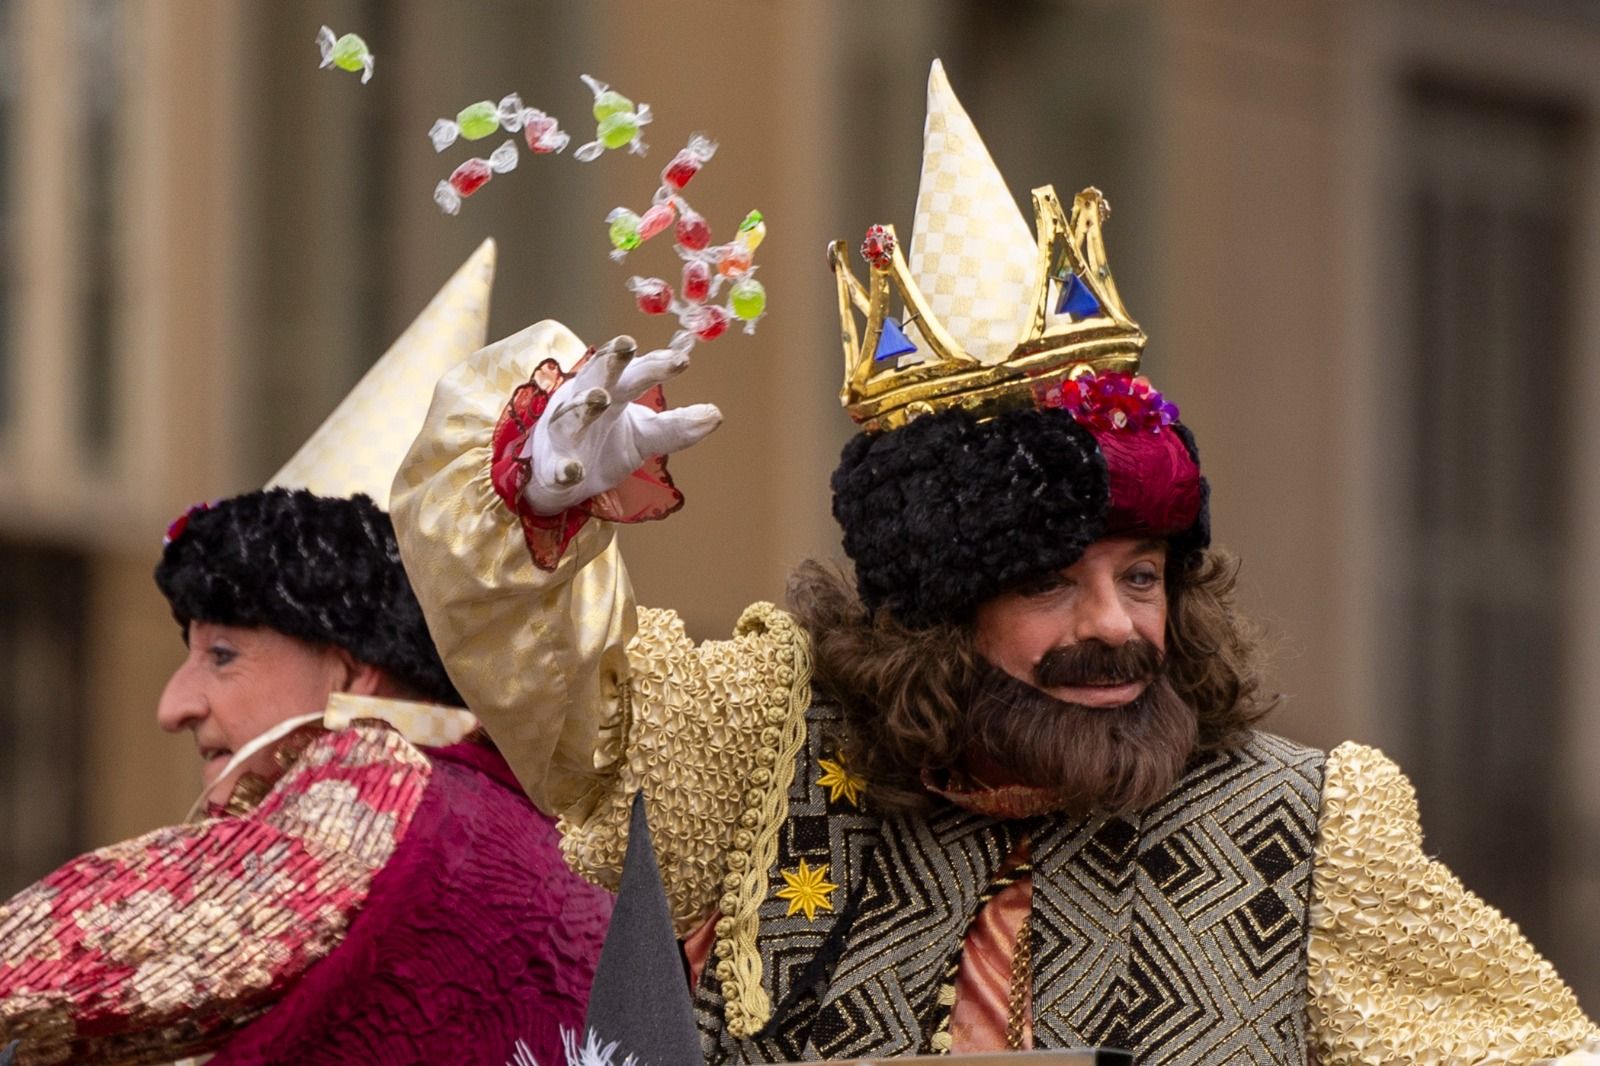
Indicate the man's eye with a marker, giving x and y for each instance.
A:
(1144, 579)
(1041, 585)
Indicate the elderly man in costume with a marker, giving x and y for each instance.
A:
(1004, 791)
(369, 884)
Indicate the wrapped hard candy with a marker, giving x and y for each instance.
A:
(748, 299)
(623, 229)
(696, 282)
(477, 121)
(348, 52)
(734, 260)
(658, 218)
(687, 163)
(653, 295)
(543, 133)
(618, 122)
(473, 175)
(694, 232)
(752, 231)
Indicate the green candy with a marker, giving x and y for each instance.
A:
(624, 231)
(349, 52)
(619, 129)
(478, 120)
(751, 221)
(748, 298)
(610, 103)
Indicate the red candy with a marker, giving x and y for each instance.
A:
(684, 166)
(693, 232)
(536, 132)
(715, 324)
(655, 296)
(470, 176)
(878, 247)
(655, 220)
(696, 281)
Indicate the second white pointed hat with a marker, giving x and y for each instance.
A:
(358, 448)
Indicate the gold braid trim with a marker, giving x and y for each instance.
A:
(747, 1007)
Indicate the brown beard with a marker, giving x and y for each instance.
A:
(1112, 759)
(908, 694)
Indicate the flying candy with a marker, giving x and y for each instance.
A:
(472, 175)
(687, 163)
(347, 53)
(619, 123)
(706, 267)
(479, 120)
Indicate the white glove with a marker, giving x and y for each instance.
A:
(592, 435)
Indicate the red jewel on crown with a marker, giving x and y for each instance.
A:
(878, 247)
(1112, 401)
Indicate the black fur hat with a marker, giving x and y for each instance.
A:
(322, 569)
(946, 512)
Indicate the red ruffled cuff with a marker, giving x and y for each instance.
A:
(645, 495)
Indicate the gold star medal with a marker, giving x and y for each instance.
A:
(807, 889)
(840, 782)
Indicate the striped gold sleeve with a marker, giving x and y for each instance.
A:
(1405, 964)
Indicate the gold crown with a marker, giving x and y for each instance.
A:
(1078, 323)
(990, 314)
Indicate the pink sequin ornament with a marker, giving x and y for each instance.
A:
(696, 281)
(878, 247)
(658, 218)
(693, 231)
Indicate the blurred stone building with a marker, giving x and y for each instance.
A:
(1359, 232)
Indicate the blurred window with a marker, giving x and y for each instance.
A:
(99, 33)
(43, 597)
(1482, 468)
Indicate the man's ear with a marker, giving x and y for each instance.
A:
(359, 678)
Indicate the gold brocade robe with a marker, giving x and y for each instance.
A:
(591, 699)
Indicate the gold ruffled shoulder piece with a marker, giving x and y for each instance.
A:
(710, 733)
(1405, 964)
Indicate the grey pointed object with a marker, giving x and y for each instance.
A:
(640, 997)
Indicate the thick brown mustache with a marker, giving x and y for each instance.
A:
(1093, 662)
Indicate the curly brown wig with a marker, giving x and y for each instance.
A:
(923, 699)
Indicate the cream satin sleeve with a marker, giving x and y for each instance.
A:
(589, 698)
(1406, 965)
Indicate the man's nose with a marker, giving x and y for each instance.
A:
(181, 704)
(1102, 616)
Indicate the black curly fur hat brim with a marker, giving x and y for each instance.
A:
(946, 512)
(321, 569)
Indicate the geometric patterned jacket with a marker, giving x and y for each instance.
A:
(1131, 917)
(1270, 878)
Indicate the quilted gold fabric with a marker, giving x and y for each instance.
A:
(1406, 965)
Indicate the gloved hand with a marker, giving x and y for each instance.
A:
(592, 435)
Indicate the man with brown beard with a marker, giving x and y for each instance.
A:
(1002, 789)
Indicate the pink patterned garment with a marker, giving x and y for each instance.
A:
(380, 905)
